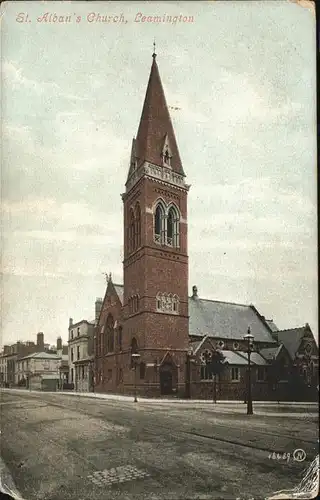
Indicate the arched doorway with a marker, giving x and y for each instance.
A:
(168, 378)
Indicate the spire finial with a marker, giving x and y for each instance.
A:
(154, 55)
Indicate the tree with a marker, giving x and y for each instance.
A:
(277, 371)
(215, 366)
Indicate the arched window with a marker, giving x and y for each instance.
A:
(137, 238)
(134, 346)
(159, 224)
(131, 230)
(101, 343)
(120, 338)
(173, 227)
(109, 336)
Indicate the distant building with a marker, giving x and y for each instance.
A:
(80, 354)
(14, 359)
(38, 363)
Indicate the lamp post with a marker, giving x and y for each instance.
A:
(135, 358)
(190, 359)
(249, 339)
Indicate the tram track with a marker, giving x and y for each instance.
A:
(166, 429)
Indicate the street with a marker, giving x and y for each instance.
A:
(63, 447)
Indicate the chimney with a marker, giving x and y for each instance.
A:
(6, 349)
(59, 343)
(70, 322)
(98, 307)
(40, 341)
(194, 292)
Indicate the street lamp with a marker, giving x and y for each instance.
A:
(135, 359)
(190, 359)
(249, 339)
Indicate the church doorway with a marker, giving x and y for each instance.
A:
(168, 379)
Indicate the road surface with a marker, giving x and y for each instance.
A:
(63, 447)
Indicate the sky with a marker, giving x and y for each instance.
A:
(242, 75)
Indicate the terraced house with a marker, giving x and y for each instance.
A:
(151, 335)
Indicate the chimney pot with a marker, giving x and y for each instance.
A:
(70, 322)
(40, 340)
(194, 291)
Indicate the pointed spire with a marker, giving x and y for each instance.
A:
(155, 125)
(154, 55)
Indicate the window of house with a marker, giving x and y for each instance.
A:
(78, 352)
(120, 375)
(82, 372)
(71, 355)
(78, 331)
(261, 374)
(71, 374)
(235, 373)
(109, 374)
(71, 334)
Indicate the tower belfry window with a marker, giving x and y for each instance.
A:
(166, 224)
(173, 227)
(159, 224)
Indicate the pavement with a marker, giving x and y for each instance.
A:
(63, 447)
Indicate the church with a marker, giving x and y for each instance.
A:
(152, 337)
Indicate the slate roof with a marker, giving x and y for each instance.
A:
(255, 357)
(197, 344)
(291, 339)
(42, 355)
(272, 325)
(270, 352)
(155, 124)
(226, 320)
(119, 290)
(234, 358)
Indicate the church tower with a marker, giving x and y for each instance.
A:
(155, 249)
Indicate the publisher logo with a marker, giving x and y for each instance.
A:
(299, 455)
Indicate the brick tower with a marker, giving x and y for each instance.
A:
(155, 250)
